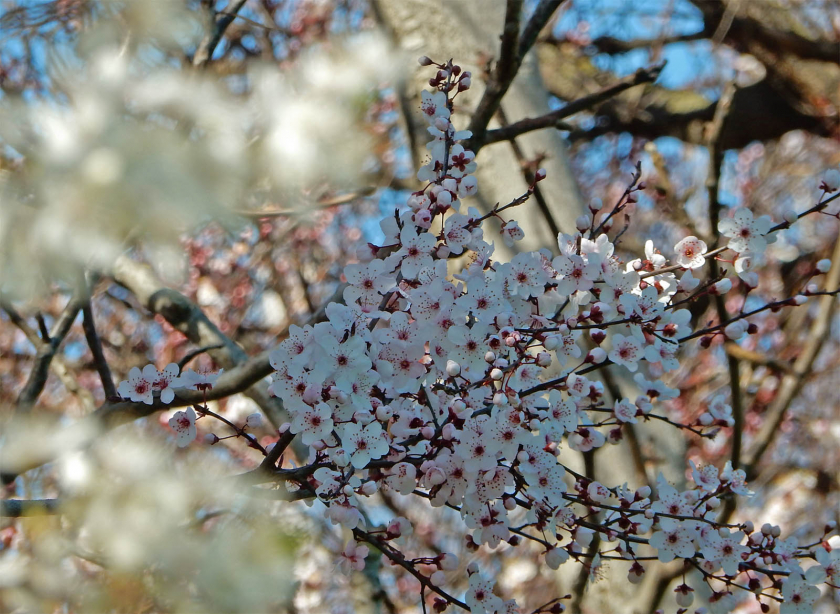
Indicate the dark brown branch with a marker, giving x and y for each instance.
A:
(220, 23)
(45, 354)
(551, 120)
(539, 18)
(502, 76)
(95, 346)
(610, 45)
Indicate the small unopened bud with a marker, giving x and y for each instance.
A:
(551, 342)
(777, 530)
(583, 223)
(509, 503)
(596, 356)
(684, 595)
(543, 359)
(490, 357)
(767, 528)
(384, 412)
(448, 562)
(790, 217)
(427, 432)
(800, 299)
(705, 342)
(211, 439)
(722, 287)
(497, 374)
(539, 175)
(369, 487)
(823, 265)
(556, 557)
(598, 336)
(425, 61)
(595, 205)
(453, 369)
(253, 421)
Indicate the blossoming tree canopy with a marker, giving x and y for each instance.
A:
(451, 377)
(439, 419)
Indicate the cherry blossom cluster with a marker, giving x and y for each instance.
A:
(457, 378)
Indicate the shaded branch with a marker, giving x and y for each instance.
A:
(95, 345)
(220, 22)
(551, 120)
(511, 54)
(46, 351)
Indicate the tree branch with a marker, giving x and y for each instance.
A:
(220, 22)
(550, 120)
(95, 346)
(46, 351)
(513, 50)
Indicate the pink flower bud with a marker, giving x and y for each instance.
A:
(427, 432)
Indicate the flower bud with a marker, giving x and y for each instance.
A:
(448, 562)
(800, 299)
(551, 342)
(790, 216)
(453, 369)
(427, 432)
(595, 205)
(596, 356)
(490, 357)
(509, 503)
(500, 399)
(369, 487)
(684, 595)
(211, 439)
(556, 557)
(497, 374)
(543, 359)
(539, 175)
(583, 222)
(425, 61)
(722, 287)
(823, 265)
(384, 412)
(438, 578)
